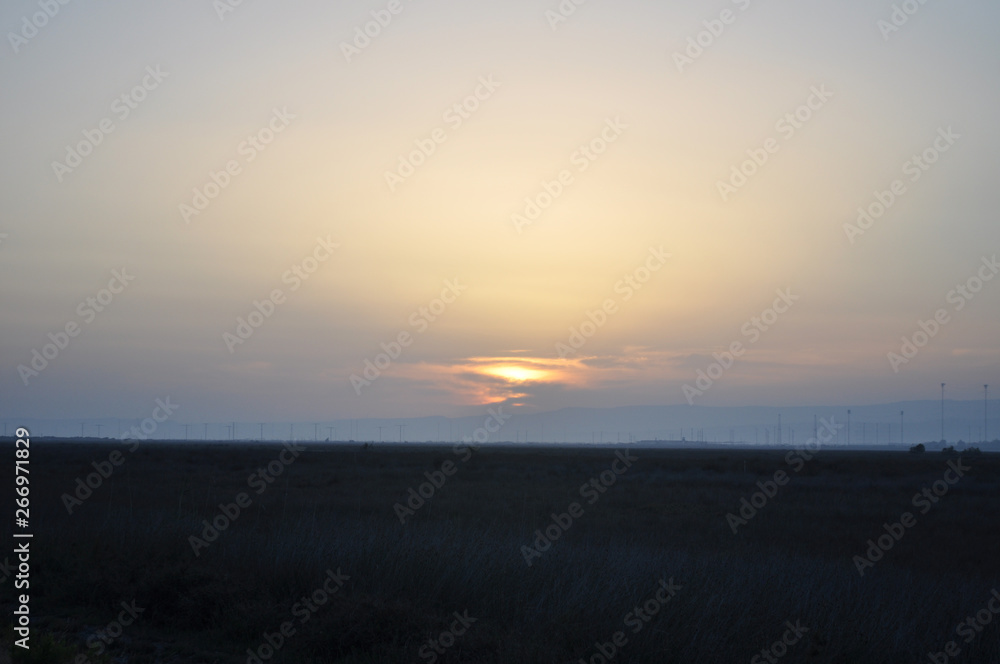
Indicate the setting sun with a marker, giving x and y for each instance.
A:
(515, 373)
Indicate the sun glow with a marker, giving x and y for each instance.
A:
(516, 373)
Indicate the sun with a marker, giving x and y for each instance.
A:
(515, 373)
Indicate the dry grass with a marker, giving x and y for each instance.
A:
(333, 508)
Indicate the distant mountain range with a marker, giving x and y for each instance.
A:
(870, 426)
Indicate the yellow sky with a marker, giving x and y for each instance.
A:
(537, 167)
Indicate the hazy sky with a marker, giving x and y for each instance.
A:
(117, 118)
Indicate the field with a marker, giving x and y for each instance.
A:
(632, 555)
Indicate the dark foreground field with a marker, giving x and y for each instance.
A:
(649, 572)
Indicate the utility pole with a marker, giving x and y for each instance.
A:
(400, 431)
(848, 427)
(262, 432)
(901, 442)
(779, 429)
(315, 432)
(380, 434)
(98, 430)
(986, 401)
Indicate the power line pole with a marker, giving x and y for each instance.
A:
(986, 401)
(901, 428)
(400, 431)
(848, 427)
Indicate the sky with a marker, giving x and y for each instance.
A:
(304, 210)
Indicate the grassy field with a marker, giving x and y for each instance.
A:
(643, 564)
